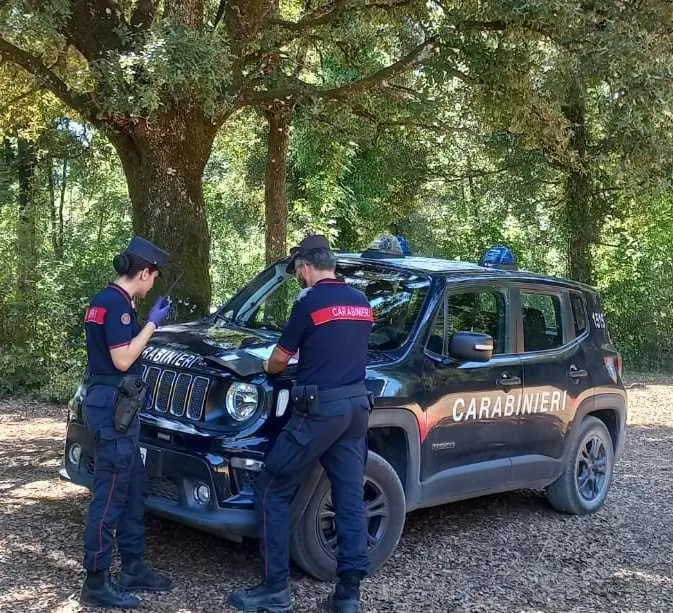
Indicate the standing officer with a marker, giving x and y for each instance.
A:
(329, 325)
(115, 341)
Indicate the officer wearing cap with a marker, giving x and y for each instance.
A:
(115, 340)
(329, 326)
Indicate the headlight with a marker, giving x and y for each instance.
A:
(242, 399)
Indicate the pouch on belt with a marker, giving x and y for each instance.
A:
(131, 397)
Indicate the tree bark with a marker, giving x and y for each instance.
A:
(580, 224)
(164, 163)
(26, 230)
(279, 117)
(61, 205)
(52, 203)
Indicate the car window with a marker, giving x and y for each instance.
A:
(396, 298)
(579, 312)
(480, 311)
(541, 318)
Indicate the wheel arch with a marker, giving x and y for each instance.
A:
(611, 410)
(394, 435)
(395, 425)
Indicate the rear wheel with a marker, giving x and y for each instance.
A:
(585, 481)
(314, 542)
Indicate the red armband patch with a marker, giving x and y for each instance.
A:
(95, 315)
(342, 312)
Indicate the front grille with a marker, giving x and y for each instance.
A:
(151, 376)
(175, 393)
(197, 398)
(180, 394)
(163, 487)
(165, 391)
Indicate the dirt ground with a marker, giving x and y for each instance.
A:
(505, 553)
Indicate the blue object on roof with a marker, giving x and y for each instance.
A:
(404, 244)
(499, 256)
(384, 246)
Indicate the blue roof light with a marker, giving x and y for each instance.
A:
(499, 256)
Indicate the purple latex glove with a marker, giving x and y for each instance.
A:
(162, 307)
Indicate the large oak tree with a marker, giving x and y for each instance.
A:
(161, 77)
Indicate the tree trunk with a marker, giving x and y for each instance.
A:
(26, 230)
(164, 163)
(52, 203)
(64, 182)
(279, 117)
(580, 224)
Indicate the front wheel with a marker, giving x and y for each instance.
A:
(585, 481)
(314, 542)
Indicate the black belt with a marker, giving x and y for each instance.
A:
(343, 392)
(111, 380)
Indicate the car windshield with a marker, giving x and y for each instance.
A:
(396, 298)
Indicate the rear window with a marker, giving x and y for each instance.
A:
(541, 317)
(579, 313)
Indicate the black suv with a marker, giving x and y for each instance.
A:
(485, 380)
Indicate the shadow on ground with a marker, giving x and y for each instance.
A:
(499, 553)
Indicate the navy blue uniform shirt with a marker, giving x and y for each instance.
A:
(330, 327)
(110, 322)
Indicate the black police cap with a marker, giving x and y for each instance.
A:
(313, 242)
(148, 251)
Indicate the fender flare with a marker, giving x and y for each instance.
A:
(614, 402)
(403, 419)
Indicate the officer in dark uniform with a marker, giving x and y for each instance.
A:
(115, 339)
(330, 325)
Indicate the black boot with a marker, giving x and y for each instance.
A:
(97, 591)
(262, 598)
(346, 595)
(135, 576)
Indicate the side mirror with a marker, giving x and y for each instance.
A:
(471, 347)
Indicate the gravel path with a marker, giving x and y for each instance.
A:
(504, 553)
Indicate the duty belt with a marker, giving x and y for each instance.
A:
(343, 392)
(308, 398)
(111, 380)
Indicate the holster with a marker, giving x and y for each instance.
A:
(370, 398)
(305, 399)
(130, 399)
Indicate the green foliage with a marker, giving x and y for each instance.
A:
(477, 145)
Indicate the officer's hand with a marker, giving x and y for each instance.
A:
(162, 307)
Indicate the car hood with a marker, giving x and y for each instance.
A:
(207, 345)
(217, 346)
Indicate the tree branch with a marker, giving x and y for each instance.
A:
(303, 90)
(330, 13)
(94, 27)
(46, 78)
(219, 14)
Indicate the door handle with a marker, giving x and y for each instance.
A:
(506, 380)
(577, 373)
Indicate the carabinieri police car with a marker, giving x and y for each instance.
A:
(486, 379)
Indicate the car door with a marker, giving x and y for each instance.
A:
(469, 405)
(556, 376)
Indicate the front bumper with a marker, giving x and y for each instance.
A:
(174, 477)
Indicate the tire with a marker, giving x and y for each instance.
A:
(313, 546)
(587, 475)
